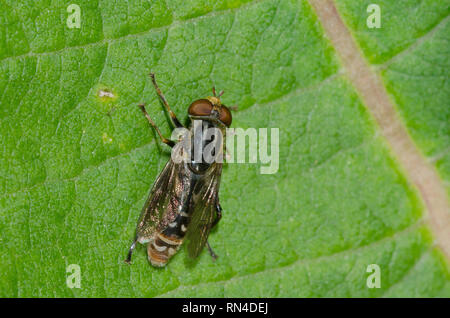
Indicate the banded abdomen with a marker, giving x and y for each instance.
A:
(165, 244)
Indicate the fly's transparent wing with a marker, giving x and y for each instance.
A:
(203, 205)
(163, 201)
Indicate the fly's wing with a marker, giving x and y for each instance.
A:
(163, 201)
(203, 205)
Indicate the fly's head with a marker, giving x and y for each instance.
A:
(212, 109)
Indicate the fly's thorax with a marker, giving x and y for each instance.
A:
(206, 142)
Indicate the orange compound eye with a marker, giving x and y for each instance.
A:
(225, 116)
(201, 107)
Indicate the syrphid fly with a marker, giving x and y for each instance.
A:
(183, 203)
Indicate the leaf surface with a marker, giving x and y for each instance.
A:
(76, 167)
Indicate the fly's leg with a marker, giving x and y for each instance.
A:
(128, 260)
(163, 139)
(233, 108)
(211, 252)
(174, 118)
(218, 215)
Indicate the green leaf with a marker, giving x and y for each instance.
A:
(76, 166)
(411, 52)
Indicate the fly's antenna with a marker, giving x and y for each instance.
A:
(217, 96)
(214, 92)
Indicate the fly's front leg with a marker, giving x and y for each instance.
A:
(163, 139)
(174, 118)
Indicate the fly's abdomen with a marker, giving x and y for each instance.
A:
(161, 249)
(166, 243)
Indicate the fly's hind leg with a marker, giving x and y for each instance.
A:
(152, 123)
(218, 217)
(211, 252)
(174, 118)
(130, 252)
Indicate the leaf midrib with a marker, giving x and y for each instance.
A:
(374, 95)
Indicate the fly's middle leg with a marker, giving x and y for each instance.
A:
(152, 123)
(218, 215)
